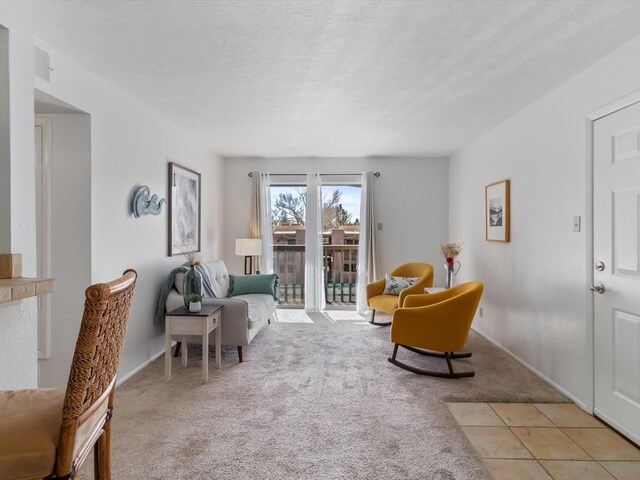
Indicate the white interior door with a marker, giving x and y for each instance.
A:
(616, 198)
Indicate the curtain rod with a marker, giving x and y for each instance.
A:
(376, 174)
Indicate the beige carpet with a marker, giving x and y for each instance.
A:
(314, 400)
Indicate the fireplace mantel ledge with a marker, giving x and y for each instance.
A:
(12, 289)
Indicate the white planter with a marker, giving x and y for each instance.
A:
(195, 307)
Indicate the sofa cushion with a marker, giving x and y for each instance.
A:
(246, 284)
(179, 282)
(218, 276)
(260, 306)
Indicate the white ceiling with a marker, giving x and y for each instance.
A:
(336, 78)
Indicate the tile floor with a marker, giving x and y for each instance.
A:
(544, 441)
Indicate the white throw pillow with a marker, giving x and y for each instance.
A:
(394, 285)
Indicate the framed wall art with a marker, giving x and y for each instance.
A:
(184, 210)
(496, 207)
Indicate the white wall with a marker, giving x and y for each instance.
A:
(130, 146)
(411, 202)
(18, 321)
(70, 172)
(536, 300)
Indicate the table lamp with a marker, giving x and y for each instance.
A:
(248, 247)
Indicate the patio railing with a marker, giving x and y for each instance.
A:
(340, 273)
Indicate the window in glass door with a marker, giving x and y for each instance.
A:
(288, 209)
(341, 237)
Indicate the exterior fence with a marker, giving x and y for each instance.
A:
(340, 264)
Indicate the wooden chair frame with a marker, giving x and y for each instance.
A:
(88, 405)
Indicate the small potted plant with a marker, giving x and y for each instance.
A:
(195, 303)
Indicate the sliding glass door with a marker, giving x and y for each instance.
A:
(339, 228)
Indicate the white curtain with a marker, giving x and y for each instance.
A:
(261, 219)
(313, 265)
(367, 248)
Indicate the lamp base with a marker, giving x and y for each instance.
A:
(248, 267)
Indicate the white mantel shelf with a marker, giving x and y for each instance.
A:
(12, 289)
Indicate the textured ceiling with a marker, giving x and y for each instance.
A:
(336, 78)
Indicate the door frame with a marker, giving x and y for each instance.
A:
(43, 191)
(590, 120)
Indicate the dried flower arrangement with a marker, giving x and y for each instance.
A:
(450, 251)
(191, 257)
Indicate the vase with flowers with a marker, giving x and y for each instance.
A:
(192, 279)
(450, 251)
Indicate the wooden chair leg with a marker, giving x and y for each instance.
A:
(101, 465)
(240, 353)
(380, 324)
(106, 453)
(96, 460)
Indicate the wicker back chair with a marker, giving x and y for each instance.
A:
(64, 426)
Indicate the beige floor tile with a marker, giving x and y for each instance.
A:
(495, 442)
(501, 469)
(603, 444)
(521, 415)
(549, 443)
(475, 414)
(623, 470)
(568, 415)
(567, 470)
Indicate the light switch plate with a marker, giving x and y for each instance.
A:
(576, 223)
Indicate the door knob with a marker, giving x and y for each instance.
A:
(599, 288)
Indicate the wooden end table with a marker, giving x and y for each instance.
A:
(183, 322)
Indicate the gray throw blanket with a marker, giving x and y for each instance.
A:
(161, 307)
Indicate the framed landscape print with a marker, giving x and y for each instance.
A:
(184, 210)
(496, 207)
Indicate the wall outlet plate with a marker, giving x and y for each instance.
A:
(576, 223)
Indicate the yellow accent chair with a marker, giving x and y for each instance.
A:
(377, 300)
(436, 325)
(47, 433)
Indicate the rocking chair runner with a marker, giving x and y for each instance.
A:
(436, 325)
(48, 433)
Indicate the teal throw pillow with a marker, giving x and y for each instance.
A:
(246, 284)
(394, 285)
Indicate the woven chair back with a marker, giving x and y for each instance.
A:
(97, 353)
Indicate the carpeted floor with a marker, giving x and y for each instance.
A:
(314, 400)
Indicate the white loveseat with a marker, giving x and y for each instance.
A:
(243, 316)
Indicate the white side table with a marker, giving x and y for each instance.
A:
(183, 322)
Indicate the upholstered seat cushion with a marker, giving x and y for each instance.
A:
(259, 304)
(29, 430)
(384, 303)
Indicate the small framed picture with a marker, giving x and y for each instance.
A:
(184, 210)
(496, 207)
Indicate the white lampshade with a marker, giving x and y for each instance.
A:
(248, 246)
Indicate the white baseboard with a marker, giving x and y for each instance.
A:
(126, 378)
(575, 400)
